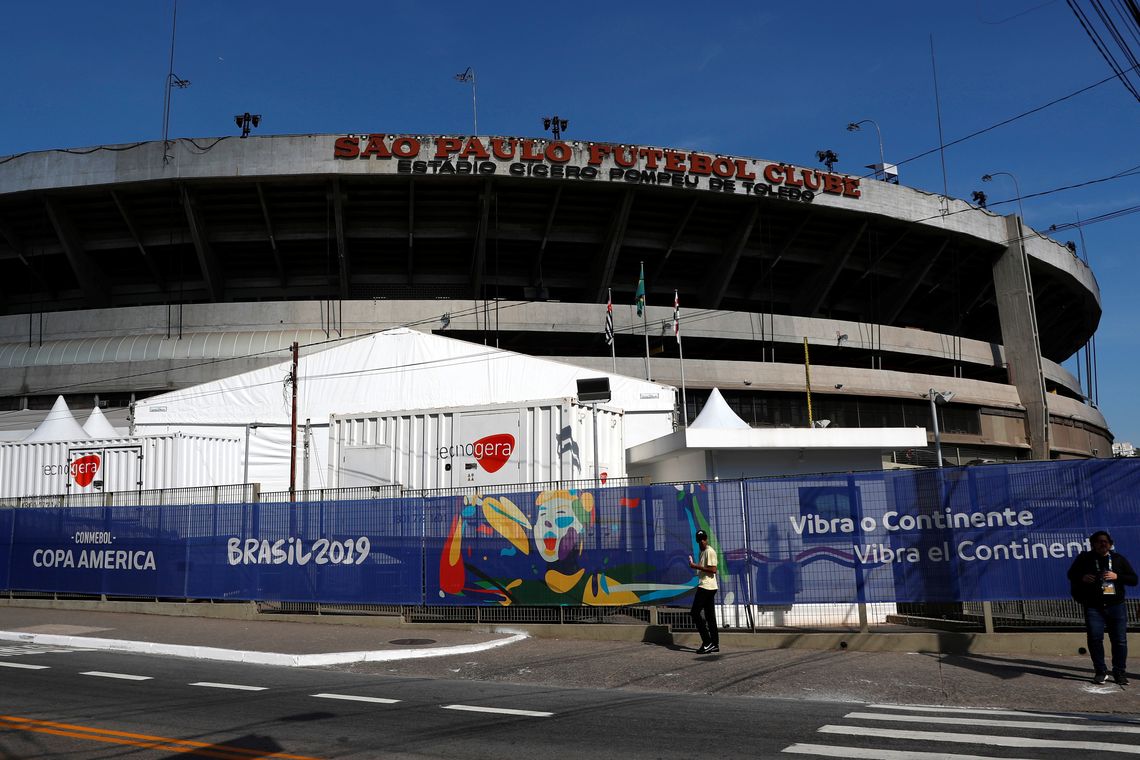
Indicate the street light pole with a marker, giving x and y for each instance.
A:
(854, 127)
(989, 178)
(938, 397)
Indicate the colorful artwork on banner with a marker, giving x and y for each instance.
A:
(553, 550)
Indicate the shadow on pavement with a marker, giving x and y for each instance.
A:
(1008, 668)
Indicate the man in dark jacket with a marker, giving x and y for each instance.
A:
(1098, 578)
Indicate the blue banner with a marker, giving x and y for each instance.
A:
(992, 532)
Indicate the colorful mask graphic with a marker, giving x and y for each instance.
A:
(583, 553)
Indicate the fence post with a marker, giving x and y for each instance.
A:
(988, 617)
(863, 625)
(747, 560)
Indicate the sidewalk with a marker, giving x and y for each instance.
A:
(614, 656)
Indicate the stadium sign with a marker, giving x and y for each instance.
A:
(594, 162)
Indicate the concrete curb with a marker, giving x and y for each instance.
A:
(1044, 643)
(258, 658)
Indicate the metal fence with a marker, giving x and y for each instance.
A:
(238, 493)
(247, 493)
(787, 562)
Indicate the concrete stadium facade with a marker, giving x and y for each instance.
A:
(129, 270)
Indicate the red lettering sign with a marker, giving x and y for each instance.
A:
(84, 470)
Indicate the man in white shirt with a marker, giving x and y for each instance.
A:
(705, 596)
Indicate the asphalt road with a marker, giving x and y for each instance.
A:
(84, 705)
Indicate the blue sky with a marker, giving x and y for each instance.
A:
(766, 80)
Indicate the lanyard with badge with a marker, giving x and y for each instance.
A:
(1107, 587)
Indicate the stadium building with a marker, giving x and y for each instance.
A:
(130, 270)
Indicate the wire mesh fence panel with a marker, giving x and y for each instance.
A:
(354, 493)
(806, 550)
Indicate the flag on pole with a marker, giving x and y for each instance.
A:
(676, 317)
(640, 295)
(610, 320)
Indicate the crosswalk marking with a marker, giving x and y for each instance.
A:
(120, 676)
(1048, 726)
(997, 741)
(875, 753)
(499, 710)
(355, 698)
(994, 711)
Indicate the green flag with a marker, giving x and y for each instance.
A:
(640, 294)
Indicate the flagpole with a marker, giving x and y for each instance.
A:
(610, 317)
(474, 108)
(639, 297)
(645, 330)
(681, 354)
(469, 76)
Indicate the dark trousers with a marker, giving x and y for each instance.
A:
(704, 601)
(1113, 619)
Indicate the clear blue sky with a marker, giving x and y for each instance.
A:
(767, 80)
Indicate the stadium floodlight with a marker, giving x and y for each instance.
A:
(555, 124)
(246, 121)
(828, 158)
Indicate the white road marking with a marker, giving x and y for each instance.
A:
(998, 741)
(259, 658)
(22, 666)
(1049, 726)
(21, 649)
(992, 711)
(121, 676)
(355, 698)
(499, 710)
(237, 686)
(875, 753)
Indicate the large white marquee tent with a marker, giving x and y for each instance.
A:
(392, 371)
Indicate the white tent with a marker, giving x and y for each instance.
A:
(395, 370)
(717, 415)
(59, 425)
(97, 426)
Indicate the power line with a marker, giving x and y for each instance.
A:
(1010, 120)
(1109, 25)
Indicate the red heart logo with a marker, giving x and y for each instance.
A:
(493, 451)
(84, 469)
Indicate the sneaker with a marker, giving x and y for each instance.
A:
(703, 648)
(1100, 678)
(716, 648)
(1120, 678)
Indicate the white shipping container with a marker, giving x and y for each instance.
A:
(51, 468)
(475, 446)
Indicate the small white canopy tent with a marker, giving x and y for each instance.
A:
(718, 444)
(395, 370)
(717, 415)
(59, 425)
(97, 426)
